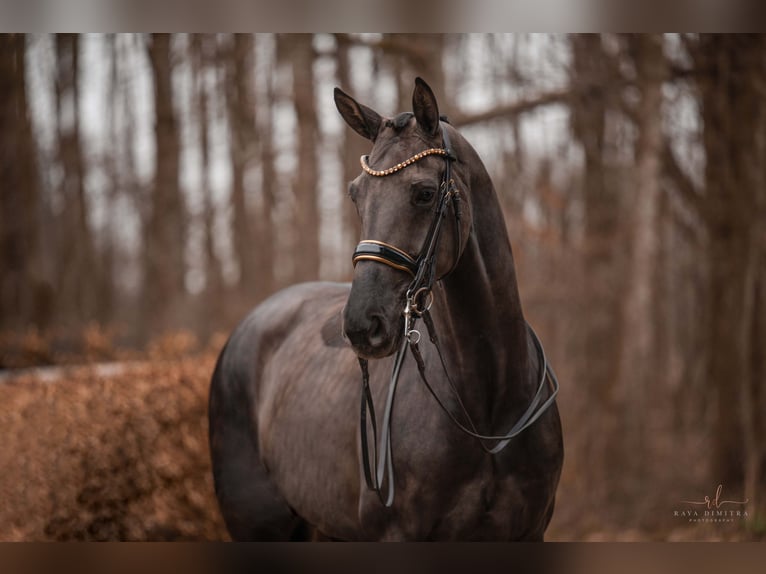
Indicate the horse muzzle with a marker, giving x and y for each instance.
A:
(372, 318)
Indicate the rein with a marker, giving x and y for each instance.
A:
(419, 298)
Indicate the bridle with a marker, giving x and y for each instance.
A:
(422, 269)
(419, 298)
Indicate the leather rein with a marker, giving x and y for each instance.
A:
(419, 298)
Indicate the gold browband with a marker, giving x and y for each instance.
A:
(402, 165)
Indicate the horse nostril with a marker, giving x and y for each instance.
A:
(377, 333)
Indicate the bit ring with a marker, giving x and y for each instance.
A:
(429, 300)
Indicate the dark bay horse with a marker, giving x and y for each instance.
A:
(289, 459)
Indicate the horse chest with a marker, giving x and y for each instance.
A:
(451, 505)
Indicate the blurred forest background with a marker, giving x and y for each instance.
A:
(154, 188)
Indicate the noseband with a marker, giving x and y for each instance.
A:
(419, 298)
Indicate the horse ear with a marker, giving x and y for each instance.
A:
(425, 107)
(363, 120)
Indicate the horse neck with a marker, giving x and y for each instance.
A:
(488, 335)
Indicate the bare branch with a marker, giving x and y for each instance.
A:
(511, 111)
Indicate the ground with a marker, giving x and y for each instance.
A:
(118, 451)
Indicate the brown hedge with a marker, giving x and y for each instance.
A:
(118, 456)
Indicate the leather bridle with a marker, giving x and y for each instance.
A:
(422, 268)
(419, 298)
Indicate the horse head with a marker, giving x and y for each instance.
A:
(411, 182)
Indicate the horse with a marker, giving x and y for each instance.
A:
(297, 452)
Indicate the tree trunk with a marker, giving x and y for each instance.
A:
(590, 79)
(734, 117)
(239, 88)
(213, 297)
(265, 231)
(165, 231)
(106, 296)
(24, 297)
(637, 356)
(76, 266)
(307, 252)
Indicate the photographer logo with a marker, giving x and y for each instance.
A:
(716, 509)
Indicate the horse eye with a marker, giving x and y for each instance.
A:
(424, 196)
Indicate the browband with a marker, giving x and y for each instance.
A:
(446, 152)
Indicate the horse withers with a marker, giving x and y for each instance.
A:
(467, 443)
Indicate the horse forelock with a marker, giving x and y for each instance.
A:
(399, 140)
(400, 122)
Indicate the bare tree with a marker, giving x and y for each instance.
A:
(202, 54)
(241, 113)
(411, 55)
(637, 351)
(165, 231)
(307, 171)
(266, 233)
(25, 298)
(76, 285)
(732, 76)
(591, 81)
(105, 279)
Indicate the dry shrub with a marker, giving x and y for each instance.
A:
(117, 457)
(173, 345)
(98, 342)
(25, 349)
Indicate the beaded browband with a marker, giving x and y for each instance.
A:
(402, 165)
